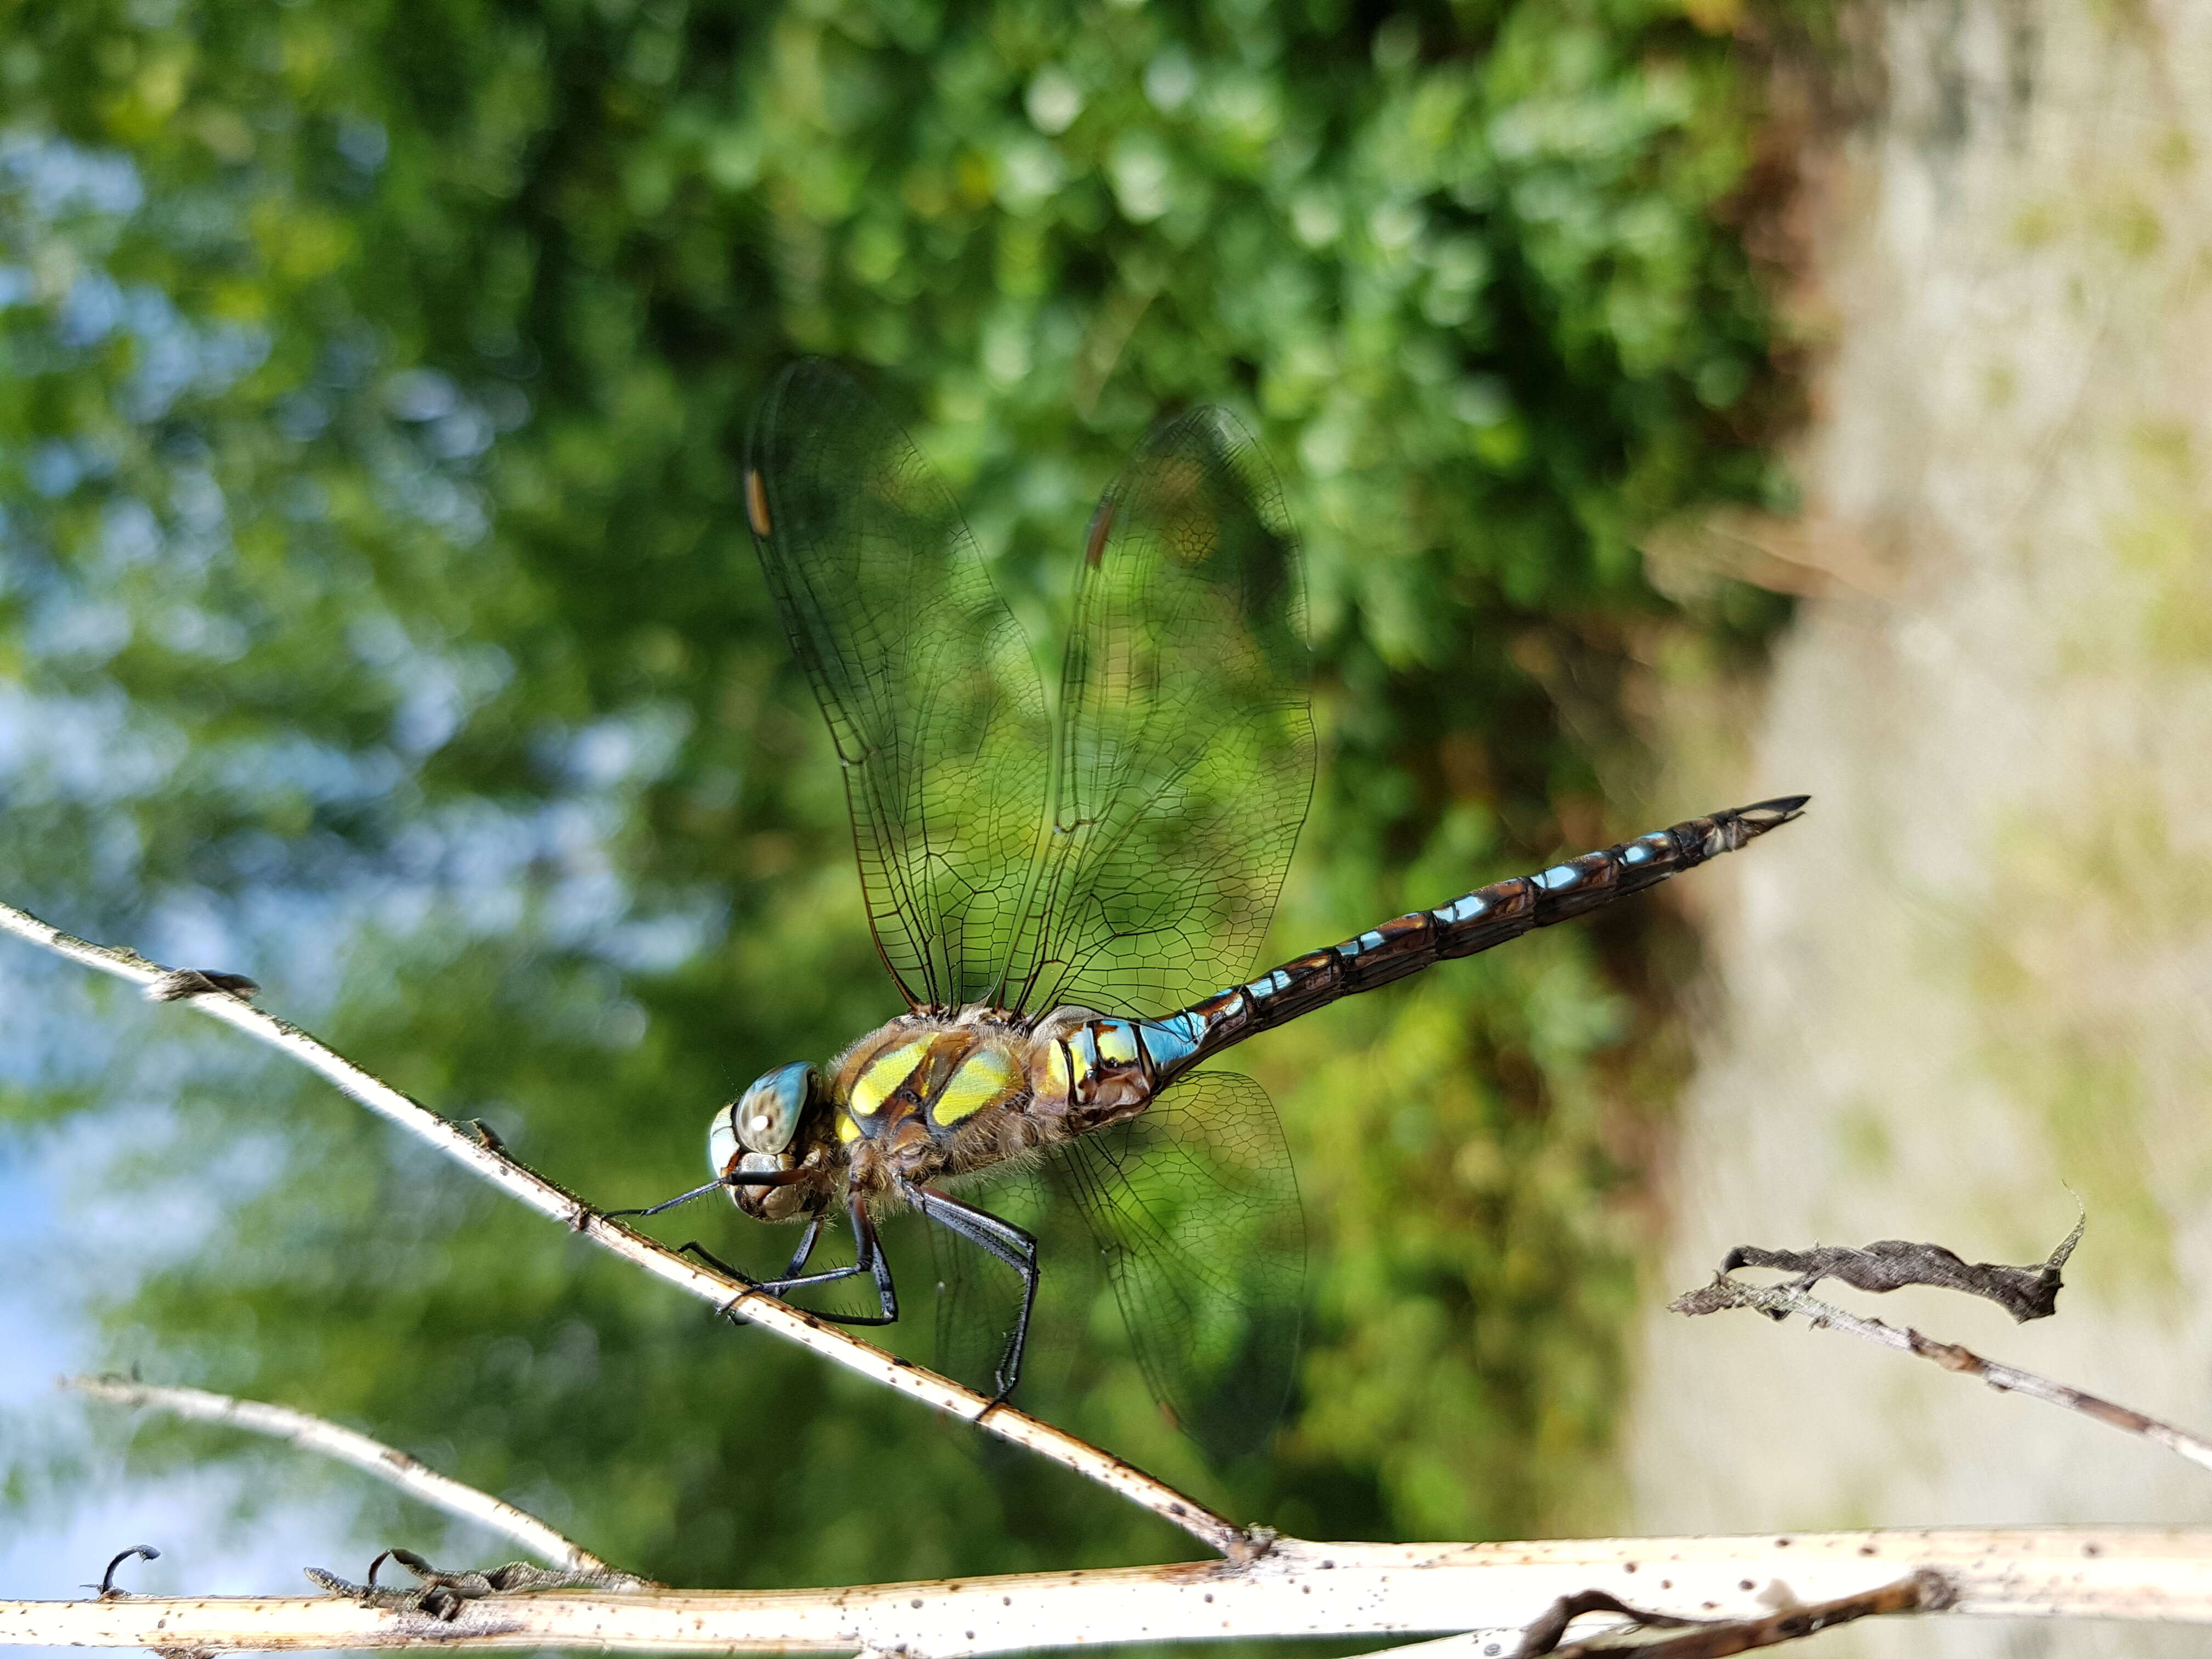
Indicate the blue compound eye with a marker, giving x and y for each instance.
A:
(765, 1118)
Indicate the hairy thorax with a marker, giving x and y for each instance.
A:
(931, 1097)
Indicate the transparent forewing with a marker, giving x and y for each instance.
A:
(931, 694)
(1194, 1208)
(1184, 752)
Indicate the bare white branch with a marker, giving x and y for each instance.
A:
(489, 1162)
(1790, 1298)
(387, 1462)
(1295, 1590)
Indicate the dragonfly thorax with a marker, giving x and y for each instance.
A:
(930, 1095)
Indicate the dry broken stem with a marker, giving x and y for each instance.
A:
(1891, 1264)
(1924, 1592)
(1780, 1300)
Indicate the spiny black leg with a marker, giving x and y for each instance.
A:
(695, 1248)
(805, 1247)
(775, 1287)
(670, 1203)
(1010, 1245)
(869, 1261)
(791, 1275)
(800, 1281)
(870, 1251)
(849, 1319)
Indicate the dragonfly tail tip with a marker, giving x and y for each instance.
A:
(1764, 815)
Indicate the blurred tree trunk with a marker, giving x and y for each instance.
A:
(1975, 986)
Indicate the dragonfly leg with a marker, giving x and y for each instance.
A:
(871, 1251)
(793, 1277)
(736, 1178)
(670, 1203)
(868, 1259)
(1010, 1245)
(805, 1247)
(693, 1247)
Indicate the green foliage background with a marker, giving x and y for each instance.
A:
(378, 617)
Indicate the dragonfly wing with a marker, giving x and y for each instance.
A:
(1195, 1206)
(1184, 753)
(932, 697)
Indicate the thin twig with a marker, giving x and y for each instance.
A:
(1382, 1590)
(1779, 1300)
(387, 1462)
(1546, 1631)
(219, 998)
(1924, 1592)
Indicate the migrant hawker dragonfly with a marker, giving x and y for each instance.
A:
(1060, 897)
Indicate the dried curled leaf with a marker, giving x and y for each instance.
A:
(1890, 1264)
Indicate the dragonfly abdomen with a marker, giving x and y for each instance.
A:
(1476, 922)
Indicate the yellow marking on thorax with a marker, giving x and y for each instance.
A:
(986, 1076)
(883, 1074)
(1059, 1083)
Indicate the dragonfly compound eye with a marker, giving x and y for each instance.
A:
(722, 1139)
(765, 1118)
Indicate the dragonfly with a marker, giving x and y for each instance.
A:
(1070, 897)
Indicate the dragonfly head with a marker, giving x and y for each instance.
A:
(775, 1124)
